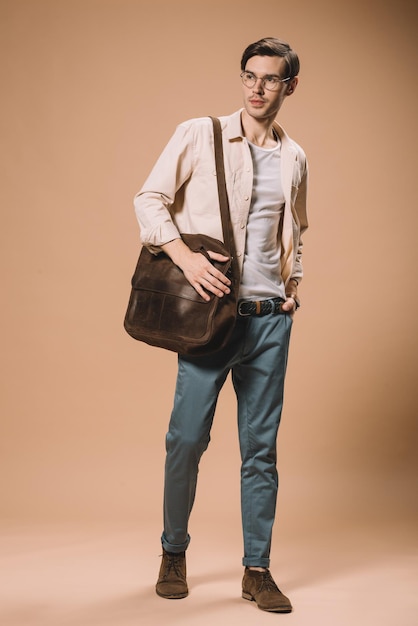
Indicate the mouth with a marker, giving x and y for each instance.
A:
(256, 102)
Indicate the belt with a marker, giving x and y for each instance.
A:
(260, 307)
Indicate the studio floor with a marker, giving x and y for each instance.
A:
(91, 575)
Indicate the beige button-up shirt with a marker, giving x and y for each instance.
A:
(181, 195)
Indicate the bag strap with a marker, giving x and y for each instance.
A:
(228, 233)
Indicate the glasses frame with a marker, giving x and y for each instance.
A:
(263, 80)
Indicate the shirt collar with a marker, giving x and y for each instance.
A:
(234, 128)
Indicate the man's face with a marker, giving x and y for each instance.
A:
(259, 102)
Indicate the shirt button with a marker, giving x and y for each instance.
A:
(246, 198)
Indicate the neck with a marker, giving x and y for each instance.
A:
(259, 132)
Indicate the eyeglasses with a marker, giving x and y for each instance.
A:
(270, 82)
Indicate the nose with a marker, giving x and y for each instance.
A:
(259, 86)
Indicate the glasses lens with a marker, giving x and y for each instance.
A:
(248, 79)
(271, 83)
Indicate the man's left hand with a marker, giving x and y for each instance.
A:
(289, 306)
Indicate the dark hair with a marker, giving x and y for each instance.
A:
(272, 47)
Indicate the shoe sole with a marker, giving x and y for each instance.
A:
(249, 597)
(172, 596)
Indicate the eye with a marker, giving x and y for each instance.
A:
(249, 76)
(271, 81)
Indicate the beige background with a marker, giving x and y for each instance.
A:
(91, 92)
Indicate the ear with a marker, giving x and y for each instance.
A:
(292, 86)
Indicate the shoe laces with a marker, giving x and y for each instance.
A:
(173, 563)
(267, 582)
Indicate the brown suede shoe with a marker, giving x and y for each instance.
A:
(172, 583)
(260, 587)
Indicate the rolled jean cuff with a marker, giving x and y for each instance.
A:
(169, 547)
(255, 562)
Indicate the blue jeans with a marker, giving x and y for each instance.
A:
(257, 355)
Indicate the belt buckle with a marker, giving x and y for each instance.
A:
(239, 309)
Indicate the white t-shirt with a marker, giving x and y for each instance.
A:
(261, 277)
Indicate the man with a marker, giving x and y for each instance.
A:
(266, 174)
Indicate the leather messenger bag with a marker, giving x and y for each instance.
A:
(164, 310)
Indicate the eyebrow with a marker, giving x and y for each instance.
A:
(265, 75)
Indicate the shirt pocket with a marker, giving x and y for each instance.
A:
(204, 185)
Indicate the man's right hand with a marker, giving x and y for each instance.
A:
(200, 272)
